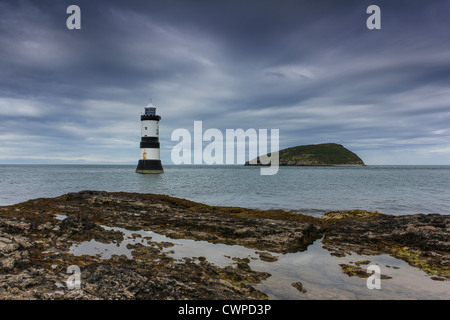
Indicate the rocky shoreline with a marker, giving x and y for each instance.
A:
(37, 237)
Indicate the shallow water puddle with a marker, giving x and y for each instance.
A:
(102, 250)
(217, 254)
(322, 277)
(318, 271)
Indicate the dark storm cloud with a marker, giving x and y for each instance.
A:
(309, 68)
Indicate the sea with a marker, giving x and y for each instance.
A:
(395, 190)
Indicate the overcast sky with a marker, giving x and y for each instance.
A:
(311, 69)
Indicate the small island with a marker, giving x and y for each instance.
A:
(324, 154)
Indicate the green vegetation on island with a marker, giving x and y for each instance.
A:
(325, 154)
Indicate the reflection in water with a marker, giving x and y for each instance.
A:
(315, 268)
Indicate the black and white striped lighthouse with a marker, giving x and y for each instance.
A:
(149, 160)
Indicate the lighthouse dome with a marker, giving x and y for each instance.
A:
(150, 109)
(150, 104)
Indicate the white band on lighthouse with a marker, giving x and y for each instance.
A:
(149, 155)
(149, 128)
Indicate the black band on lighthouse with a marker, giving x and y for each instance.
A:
(150, 144)
(149, 166)
(149, 139)
(150, 117)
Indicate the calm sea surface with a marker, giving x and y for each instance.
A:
(311, 190)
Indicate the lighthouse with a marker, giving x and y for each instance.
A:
(149, 160)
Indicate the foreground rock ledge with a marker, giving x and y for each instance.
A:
(421, 240)
(35, 237)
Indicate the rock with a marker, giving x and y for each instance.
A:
(421, 240)
(77, 224)
(14, 250)
(265, 256)
(438, 278)
(299, 286)
(356, 270)
(34, 250)
(35, 246)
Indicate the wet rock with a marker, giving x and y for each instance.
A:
(358, 263)
(435, 278)
(77, 224)
(356, 270)
(35, 245)
(421, 240)
(178, 218)
(299, 286)
(81, 228)
(265, 256)
(14, 250)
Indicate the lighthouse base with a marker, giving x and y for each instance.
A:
(149, 166)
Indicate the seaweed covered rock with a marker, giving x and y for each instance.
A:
(423, 240)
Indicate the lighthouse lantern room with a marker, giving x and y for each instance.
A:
(149, 160)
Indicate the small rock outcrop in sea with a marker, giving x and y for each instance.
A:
(325, 154)
(38, 237)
